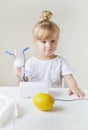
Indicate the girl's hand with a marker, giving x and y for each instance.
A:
(17, 72)
(77, 91)
(74, 89)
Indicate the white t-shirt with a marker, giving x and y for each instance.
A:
(51, 71)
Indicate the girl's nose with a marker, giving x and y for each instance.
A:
(48, 44)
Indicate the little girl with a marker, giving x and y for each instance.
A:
(47, 66)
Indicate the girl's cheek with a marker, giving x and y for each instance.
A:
(54, 46)
(41, 47)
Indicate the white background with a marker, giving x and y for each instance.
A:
(18, 17)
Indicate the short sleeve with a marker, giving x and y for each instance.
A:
(66, 68)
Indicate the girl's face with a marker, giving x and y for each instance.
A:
(48, 46)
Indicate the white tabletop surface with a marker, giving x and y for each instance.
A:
(65, 115)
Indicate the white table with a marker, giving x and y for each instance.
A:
(65, 115)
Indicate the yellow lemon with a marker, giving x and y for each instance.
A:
(43, 101)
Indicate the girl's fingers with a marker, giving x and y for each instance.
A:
(78, 92)
(70, 92)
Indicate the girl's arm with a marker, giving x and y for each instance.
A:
(17, 73)
(73, 86)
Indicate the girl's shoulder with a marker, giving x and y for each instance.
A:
(60, 58)
(30, 59)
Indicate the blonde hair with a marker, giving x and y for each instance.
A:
(44, 28)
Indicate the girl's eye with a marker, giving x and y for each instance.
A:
(52, 41)
(44, 42)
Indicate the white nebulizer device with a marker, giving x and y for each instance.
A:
(19, 68)
(19, 64)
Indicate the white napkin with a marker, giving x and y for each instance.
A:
(9, 110)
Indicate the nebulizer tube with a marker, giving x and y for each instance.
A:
(24, 58)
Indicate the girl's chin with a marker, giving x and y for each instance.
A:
(49, 53)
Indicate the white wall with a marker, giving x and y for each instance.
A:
(17, 18)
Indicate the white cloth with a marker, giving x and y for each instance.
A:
(50, 71)
(9, 110)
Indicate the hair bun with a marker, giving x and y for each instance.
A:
(46, 15)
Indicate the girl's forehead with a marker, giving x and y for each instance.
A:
(50, 38)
